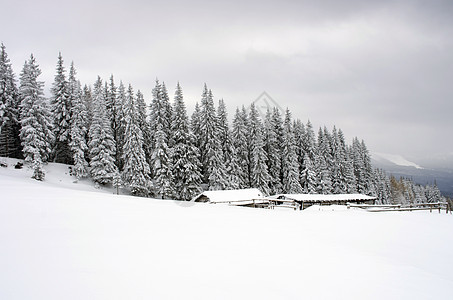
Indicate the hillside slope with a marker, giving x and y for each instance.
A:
(58, 242)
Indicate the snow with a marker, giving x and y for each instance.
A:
(61, 240)
(325, 198)
(227, 196)
(395, 159)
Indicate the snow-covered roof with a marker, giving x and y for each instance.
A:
(227, 196)
(324, 198)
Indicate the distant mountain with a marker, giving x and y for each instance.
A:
(394, 159)
(399, 166)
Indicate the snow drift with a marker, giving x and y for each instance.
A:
(61, 240)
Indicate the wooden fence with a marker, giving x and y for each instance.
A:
(439, 206)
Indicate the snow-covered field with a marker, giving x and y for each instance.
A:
(65, 240)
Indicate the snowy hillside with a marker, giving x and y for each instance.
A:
(62, 240)
(394, 159)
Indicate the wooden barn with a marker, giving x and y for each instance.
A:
(307, 200)
(244, 197)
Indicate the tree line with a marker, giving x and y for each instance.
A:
(107, 132)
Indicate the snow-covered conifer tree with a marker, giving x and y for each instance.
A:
(120, 124)
(186, 166)
(309, 144)
(228, 149)
(240, 143)
(77, 129)
(308, 176)
(346, 166)
(136, 169)
(162, 165)
(195, 126)
(213, 161)
(36, 123)
(290, 165)
(338, 160)
(101, 143)
(159, 111)
(61, 113)
(144, 125)
(259, 173)
(272, 146)
(10, 144)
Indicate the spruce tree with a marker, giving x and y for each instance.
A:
(259, 171)
(214, 170)
(290, 165)
(36, 123)
(299, 134)
(186, 166)
(136, 169)
(101, 143)
(61, 113)
(10, 144)
(195, 126)
(338, 160)
(308, 176)
(309, 141)
(240, 144)
(162, 165)
(120, 124)
(160, 112)
(272, 146)
(143, 123)
(77, 130)
(228, 149)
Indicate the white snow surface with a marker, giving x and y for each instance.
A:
(395, 159)
(61, 240)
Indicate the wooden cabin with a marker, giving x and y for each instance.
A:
(307, 200)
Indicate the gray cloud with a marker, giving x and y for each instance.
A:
(380, 70)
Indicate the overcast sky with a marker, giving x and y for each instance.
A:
(380, 70)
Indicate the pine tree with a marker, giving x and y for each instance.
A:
(77, 130)
(10, 144)
(36, 124)
(290, 166)
(186, 166)
(61, 113)
(136, 169)
(101, 143)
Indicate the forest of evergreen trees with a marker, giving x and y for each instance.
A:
(107, 132)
